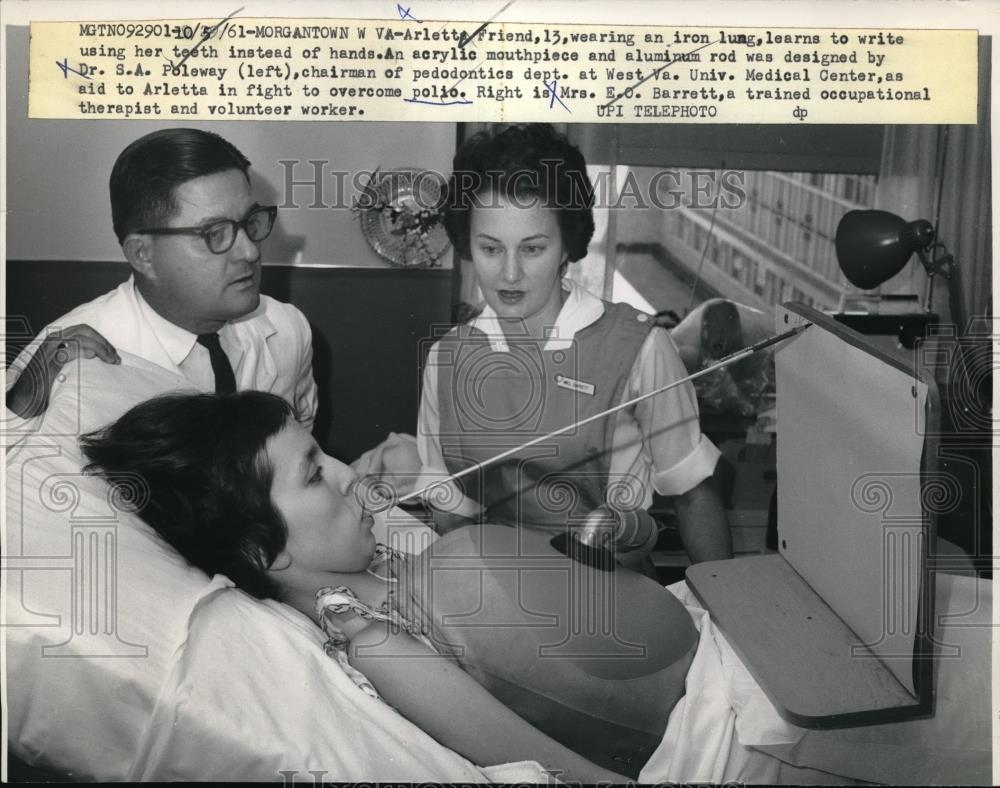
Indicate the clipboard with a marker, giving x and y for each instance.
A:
(837, 627)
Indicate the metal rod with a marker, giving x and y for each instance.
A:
(732, 358)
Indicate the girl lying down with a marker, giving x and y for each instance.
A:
(492, 641)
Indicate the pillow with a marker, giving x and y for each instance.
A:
(126, 663)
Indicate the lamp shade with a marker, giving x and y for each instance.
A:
(873, 246)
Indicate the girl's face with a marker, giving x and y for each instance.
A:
(328, 530)
(517, 252)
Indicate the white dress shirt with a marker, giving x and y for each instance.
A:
(270, 349)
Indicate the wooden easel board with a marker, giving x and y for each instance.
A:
(801, 651)
(836, 626)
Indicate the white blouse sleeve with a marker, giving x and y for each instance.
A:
(681, 455)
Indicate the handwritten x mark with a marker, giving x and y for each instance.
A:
(554, 96)
(404, 13)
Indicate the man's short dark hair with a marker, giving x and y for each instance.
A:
(207, 479)
(148, 171)
(531, 161)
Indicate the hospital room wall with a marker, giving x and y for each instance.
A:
(57, 176)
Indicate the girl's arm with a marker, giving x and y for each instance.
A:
(438, 696)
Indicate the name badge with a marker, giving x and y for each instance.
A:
(576, 385)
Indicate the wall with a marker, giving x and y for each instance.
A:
(57, 175)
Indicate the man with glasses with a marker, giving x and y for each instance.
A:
(183, 212)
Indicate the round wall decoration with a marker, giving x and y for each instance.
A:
(401, 217)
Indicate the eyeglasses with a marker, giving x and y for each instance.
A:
(221, 235)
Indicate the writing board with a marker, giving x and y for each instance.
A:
(836, 627)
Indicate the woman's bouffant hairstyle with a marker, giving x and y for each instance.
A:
(206, 477)
(521, 163)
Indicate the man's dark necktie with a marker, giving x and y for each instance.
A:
(225, 380)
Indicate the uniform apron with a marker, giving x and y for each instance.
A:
(492, 401)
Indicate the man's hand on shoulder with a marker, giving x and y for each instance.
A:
(29, 396)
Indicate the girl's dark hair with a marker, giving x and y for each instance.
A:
(206, 480)
(531, 161)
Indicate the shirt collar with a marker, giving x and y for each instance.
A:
(580, 309)
(177, 342)
(256, 323)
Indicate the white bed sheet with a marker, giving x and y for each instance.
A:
(726, 730)
(722, 712)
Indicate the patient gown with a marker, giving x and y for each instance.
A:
(596, 659)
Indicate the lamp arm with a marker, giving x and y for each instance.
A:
(946, 266)
(955, 298)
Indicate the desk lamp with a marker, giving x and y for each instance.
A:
(874, 246)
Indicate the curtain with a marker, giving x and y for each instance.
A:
(942, 174)
(966, 205)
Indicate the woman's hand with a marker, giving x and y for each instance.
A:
(29, 396)
(395, 462)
